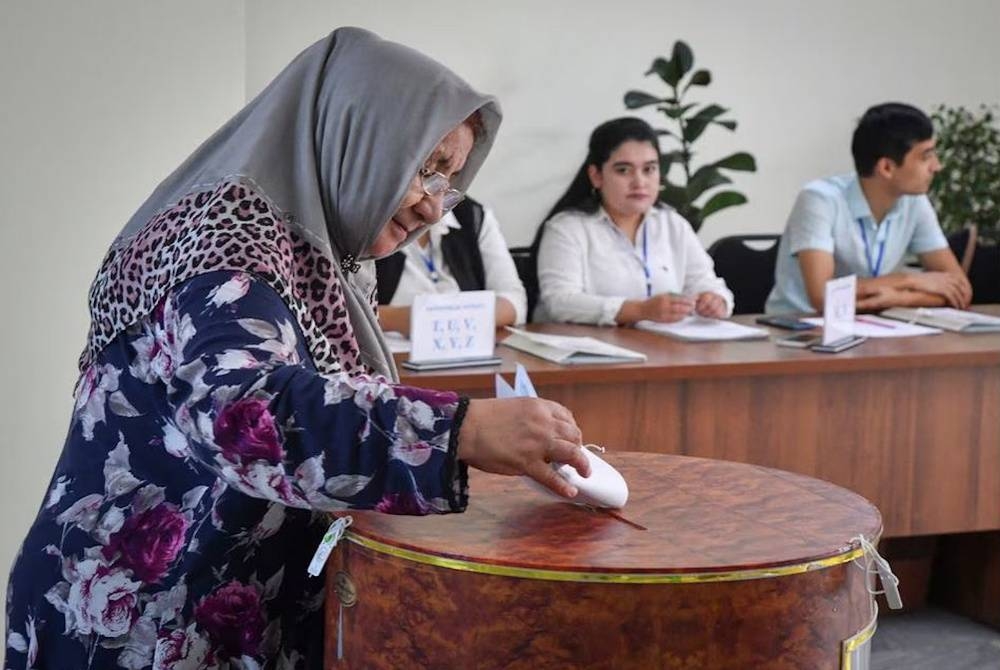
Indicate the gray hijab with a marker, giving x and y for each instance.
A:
(335, 142)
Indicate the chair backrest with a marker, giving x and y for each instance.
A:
(980, 262)
(748, 269)
(527, 270)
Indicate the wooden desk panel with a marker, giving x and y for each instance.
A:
(911, 424)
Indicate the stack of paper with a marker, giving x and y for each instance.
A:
(568, 350)
(957, 320)
(700, 329)
(869, 325)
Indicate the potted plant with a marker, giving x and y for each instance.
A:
(966, 193)
(689, 120)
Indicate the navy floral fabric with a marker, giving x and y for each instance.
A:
(204, 452)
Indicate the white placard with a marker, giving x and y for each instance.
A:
(451, 327)
(838, 308)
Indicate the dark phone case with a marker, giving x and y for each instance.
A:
(786, 322)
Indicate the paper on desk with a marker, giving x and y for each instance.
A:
(701, 329)
(398, 344)
(869, 325)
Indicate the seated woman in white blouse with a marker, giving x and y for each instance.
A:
(464, 251)
(611, 253)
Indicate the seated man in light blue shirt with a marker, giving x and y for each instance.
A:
(869, 222)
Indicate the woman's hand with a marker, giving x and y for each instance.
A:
(522, 436)
(667, 307)
(710, 305)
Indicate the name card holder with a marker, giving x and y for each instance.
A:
(839, 306)
(452, 330)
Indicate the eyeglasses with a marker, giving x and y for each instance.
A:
(436, 184)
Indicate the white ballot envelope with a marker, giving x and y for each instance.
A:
(605, 487)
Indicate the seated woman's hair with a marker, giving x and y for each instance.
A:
(603, 141)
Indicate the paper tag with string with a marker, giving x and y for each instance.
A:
(875, 564)
(326, 545)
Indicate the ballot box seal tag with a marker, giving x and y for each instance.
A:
(327, 544)
(874, 565)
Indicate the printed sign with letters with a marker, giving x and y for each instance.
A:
(453, 327)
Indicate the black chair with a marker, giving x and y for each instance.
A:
(748, 270)
(527, 270)
(981, 263)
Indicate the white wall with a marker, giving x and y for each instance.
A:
(796, 75)
(100, 101)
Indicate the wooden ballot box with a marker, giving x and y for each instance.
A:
(711, 564)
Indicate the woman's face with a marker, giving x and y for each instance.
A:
(629, 181)
(418, 209)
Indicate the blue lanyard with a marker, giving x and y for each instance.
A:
(645, 264)
(428, 260)
(876, 267)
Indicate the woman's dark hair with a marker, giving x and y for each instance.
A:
(581, 195)
(888, 131)
(603, 141)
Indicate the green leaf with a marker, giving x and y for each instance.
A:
(664, 131)
(699, 78)
(675, 112)
(636, 99)
(721, 200)
(741, 161)
(693, 215)
(696, 124)
(709, 112)
(682, 58)
(694, 129)
(659, 66)
(726, 124)
(704, 178)
(673, 195)
(667, 71)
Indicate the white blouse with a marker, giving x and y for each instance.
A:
(499, 269)
(587, 267)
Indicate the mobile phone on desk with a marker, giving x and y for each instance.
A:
(837, 346)
(786, 322)
(800, 341)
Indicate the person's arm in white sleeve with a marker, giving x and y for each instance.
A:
(562, 259)
(699, 271)
(501, 273)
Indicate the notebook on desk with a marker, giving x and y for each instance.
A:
(946, 318)
(701, 329)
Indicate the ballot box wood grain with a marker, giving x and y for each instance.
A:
(739, 566)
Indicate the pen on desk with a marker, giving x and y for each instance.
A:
(873, 322)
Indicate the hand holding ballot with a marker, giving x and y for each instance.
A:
(522, 436)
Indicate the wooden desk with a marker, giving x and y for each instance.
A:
(911, 424)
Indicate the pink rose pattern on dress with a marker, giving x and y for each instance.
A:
(180, 650)
(149, 541)
(102, 600)
(187, 493)
(245, 432)
(232, 618)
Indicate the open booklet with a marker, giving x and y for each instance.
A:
(569, 350)
(701, 329)
(947, 318)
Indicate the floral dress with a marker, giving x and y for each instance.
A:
(204, 452)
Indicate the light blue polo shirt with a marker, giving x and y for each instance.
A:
(833, 215)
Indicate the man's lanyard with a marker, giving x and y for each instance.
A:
(428, 260)
(876, 267)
